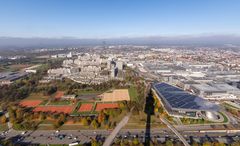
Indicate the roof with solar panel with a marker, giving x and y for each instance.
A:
(178, 98)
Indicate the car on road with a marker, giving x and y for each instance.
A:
(24, 132)
(61, 136)
(74, 143)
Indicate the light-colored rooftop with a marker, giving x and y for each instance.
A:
(205, 87)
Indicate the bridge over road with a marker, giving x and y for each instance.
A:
(174, 130)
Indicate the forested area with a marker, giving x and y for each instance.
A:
(23, 87)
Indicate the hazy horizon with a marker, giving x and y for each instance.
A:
(198, 40)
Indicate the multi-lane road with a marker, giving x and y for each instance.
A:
(83, 136)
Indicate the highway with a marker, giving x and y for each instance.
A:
(83, 136)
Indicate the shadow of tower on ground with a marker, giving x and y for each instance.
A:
(149, 110)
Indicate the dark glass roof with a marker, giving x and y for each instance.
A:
(178, 98)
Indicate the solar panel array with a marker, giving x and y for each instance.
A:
(178, 98)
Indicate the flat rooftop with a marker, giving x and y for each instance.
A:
(180, 99)
(225, 87)
(215, 87)
(206, 88)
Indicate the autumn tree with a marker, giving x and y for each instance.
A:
(94, 124)
(3, 119)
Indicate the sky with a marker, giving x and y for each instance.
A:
(118, 18)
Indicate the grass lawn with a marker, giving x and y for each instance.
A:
(57, 145)
(77, 107)
(192, 121)
(47, 122)
(74, 127)
(133, 93)
(136, 121)
(3, 127)
(53, 145)
(79, 127)
(46, 127)
(230, 106)
(60, 102)
(89, 92)
(225, 117)
(188, 121)
(37, 96)
(44, 102)
(13, 67)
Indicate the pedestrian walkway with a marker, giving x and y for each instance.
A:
(114, 133)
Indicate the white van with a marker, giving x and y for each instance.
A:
(72, 144)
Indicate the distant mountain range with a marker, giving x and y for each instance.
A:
(201, 40)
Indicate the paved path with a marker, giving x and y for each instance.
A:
(179, 122)
(114, 133)
(8, 123)
(174, 130)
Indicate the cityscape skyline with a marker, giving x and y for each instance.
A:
(119, 73)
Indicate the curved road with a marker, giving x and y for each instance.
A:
(174, 130)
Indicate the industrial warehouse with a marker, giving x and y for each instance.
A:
(179, 103)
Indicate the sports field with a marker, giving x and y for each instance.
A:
(116, 95)
(30, 103)
(102, 106)
(85, 107)
(54, 109)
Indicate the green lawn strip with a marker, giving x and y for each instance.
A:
(58, 145)
(77, 107)
(136, 121)
(46, 127)
(55, 145)
(3, 127)
(89, 92)
(60, 102)
(230, 106)
(79, 127)
(132, 93)
(225, 117)
(44, 102)
(35, 96)
(94, 106)
(194, 121)
(190, 121)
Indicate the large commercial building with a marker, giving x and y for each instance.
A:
(216, 91)
(180, 103)
(7, 78)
